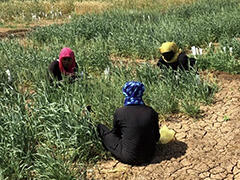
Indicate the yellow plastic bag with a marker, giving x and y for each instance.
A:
(166, 135)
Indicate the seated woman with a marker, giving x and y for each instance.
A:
(65, 65)
(172, 56)
(135, 128)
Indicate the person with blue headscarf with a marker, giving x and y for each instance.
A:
(135, 128)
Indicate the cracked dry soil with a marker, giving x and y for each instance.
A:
(207, 148)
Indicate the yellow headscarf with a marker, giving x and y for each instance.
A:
(167, 47)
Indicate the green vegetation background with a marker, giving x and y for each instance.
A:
(46, 132)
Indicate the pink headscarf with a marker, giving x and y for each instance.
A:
(67, 52)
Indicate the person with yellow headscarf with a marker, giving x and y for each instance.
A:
(173, 57)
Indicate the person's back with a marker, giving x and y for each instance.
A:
(139, 132)
(135, 128)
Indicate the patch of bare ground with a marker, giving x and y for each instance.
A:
(86, 7)
(5, 32)
(116, 60)
(207, 148)
(20, 30)
(73, 7)
(80, 8)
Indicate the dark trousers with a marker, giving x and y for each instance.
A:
(110, 141)
(113, 143)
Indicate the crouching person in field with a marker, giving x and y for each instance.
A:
(135, 128)
(64, 66)
(173, 57)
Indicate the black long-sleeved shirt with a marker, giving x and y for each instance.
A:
(55, 72)
(137, 126)
(183, 62)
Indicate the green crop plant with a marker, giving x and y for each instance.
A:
(25, 12)
(40, 10)
(233, 43)
(46, 132)
(140, 33)
(226, 118)
(57, 132)
(222, 61)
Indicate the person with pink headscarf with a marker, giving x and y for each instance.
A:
(65, 66)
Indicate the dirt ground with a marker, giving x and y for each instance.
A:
(20, 30)
(207, 148)
(6, 32)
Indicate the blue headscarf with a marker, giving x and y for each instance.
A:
(133, 92)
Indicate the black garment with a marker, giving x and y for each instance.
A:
(55, 73)
(168, 55)
(183, 62)
(134, 135)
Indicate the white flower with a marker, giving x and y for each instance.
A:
(210, 44)
(230, 50)
(106, 72)
(82, 75)
(197, 51)
(34, 16)
(193, 48)
(9, 75)
(224, 49)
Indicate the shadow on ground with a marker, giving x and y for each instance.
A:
(168, 151)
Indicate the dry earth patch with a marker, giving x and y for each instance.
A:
(207, 148)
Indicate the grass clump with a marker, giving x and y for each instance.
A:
(47, 132)
(220, 60)
(54, 132)
(139, 34)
